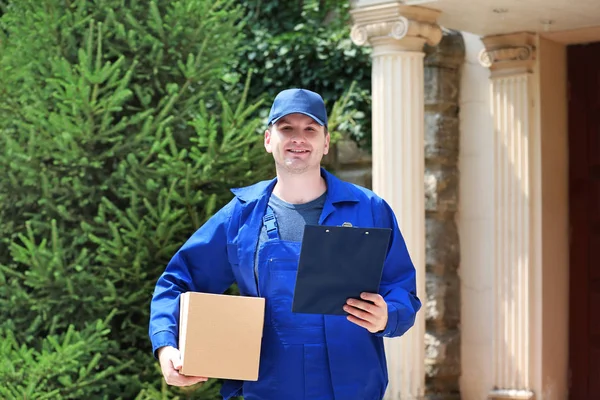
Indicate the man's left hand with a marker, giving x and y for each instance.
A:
(371, 312)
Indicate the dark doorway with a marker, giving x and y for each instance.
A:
(584, 199)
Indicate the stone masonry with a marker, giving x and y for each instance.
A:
(442, 305)
(442, 81)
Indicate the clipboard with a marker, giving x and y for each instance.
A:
(337, 263)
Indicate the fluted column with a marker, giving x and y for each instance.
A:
(397, 34)
(511, 58)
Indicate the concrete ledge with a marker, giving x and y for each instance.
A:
(509, 394)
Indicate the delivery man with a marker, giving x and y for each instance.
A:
(255, 240)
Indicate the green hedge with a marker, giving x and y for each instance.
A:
(116, 145)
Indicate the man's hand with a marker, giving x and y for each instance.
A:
(170, 364)
(371, 314)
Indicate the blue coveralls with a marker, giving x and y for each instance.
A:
(302, 356)
(294, 343)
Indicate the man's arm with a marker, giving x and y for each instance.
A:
(200, 265)
(398, 283)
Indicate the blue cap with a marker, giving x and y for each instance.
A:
(301, 101)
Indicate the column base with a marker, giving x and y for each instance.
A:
(510, 394)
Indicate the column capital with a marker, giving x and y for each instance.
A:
(393, 27)
(509, 54)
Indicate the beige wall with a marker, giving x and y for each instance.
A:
(475, 221)
(553, 222)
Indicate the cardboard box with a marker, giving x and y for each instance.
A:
(220, 335)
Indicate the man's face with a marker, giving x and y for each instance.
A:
(297, 143)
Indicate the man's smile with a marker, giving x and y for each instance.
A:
(298, 151)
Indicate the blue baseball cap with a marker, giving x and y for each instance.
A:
(301, 101)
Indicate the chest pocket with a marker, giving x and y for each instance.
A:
(234, 259)
(232, 253)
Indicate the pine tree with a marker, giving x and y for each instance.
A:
(116, 143)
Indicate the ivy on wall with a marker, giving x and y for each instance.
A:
(307, 44)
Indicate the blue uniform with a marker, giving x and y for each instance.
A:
(303, 356)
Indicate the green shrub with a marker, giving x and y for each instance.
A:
(117, 142)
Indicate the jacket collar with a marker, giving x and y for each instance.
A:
(338, 191)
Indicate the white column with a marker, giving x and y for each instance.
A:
(511, 59)
(397, 35)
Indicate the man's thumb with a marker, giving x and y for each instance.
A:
(176, 360)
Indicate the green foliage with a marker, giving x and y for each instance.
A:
(117, 141)
(65, 366)
(60, 76)
(208, 390)
(307, 44)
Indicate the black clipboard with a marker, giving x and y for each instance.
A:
(337, 263)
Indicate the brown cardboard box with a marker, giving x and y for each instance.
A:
(220, 335)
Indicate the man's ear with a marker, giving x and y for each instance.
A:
(327, 140)
(268, 141)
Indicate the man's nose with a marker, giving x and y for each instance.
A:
(298, 137)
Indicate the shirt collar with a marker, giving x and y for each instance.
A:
(338, 191)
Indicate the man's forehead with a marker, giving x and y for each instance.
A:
(297, 117)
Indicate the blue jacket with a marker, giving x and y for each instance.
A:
(222, 252)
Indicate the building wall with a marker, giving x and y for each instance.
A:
(443, 68)
(549, 191)
(550, 379)
(475, 221)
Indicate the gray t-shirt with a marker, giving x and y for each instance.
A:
(291, 219)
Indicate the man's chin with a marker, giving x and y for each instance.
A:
(296, 168)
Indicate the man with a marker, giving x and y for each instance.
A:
(303, 356)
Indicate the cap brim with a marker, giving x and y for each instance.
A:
(317, 120)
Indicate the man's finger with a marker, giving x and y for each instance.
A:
(176, 361)
(360, 322)
(374, 297)
(366, 316)
(176, 379)
(191, 380)
(363, 305)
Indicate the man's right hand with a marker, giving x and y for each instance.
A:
(170, 364)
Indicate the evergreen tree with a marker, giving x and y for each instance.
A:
(115, 145)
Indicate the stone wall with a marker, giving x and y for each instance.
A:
(442, 305)
(349, 162)
(442, 82)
